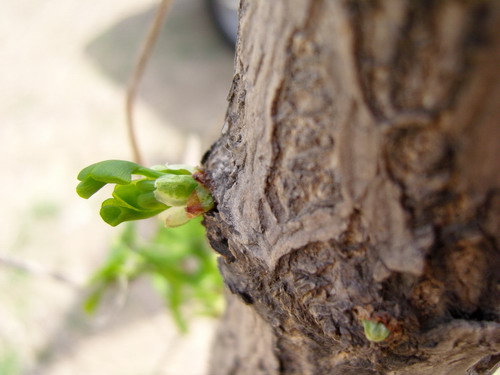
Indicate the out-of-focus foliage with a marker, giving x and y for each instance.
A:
(10, 363)
(179, 262)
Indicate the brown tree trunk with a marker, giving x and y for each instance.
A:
(357, 178)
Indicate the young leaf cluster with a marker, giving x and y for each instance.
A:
(171, 189)
(179, 262)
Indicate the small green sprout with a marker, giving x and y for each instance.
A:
(176, 191)
(375, 331)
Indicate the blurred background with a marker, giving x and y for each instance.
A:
(64, 68)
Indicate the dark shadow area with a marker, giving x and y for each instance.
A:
(189, 74)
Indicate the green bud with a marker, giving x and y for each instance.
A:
(174, 190)
(374, 331)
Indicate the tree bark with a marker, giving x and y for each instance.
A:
(357, 178)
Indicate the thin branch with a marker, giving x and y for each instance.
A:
(36, 269)
(139, 69)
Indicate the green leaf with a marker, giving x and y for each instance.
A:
(95, 176)
(138, 196)
(145, 185)
(180, 169)
(114, 212)
(89, 187)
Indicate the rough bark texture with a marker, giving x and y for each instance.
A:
(357, 177)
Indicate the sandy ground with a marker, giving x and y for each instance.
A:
(63, 68)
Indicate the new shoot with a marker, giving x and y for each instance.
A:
(175, 191)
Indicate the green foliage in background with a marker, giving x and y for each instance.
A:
(179, 262)
(10, 361)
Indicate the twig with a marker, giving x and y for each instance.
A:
(144, 56)
(37, 270)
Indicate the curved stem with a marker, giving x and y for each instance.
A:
(139, 69)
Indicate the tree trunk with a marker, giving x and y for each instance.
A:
(357, 179)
